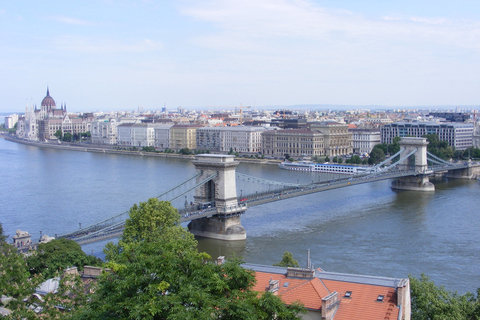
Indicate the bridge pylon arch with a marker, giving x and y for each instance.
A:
(220, 192)
(416, 162)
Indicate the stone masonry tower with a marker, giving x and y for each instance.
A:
(221, 191)
(417, 162)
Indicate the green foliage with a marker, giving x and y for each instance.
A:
(67, 137)
(18, 285)
(287, 261)
(439, 148)
(327, 159)
(157, 273)
(355, 159)
(430, 302)
(335, 159)
(377, 155)
(150, 220)
(185, 151)
(15, 280)
(3, 237)
(58, 134)
(148, 149)
(58, 255)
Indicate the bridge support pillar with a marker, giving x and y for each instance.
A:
(467, 173)
(417, 162)
(413, 183)
(218, 227)
(225, 224)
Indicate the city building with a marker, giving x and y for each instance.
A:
(136, 135)
(363, 140)
(337, 139)
(10, 121)
(458, 135)
(42, 124)
(183, 136)
(294, 143)
(162, 136)
(104, 132)
(241, 139)
(336, 296)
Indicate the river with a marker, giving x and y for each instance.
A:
(364, 229)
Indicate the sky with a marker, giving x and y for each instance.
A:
(101, 55)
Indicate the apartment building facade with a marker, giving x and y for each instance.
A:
(363, 140)
(458, 135)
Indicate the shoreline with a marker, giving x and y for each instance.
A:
(110, 150)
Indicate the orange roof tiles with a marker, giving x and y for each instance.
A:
(362, 304)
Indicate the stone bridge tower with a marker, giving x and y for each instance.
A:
(220, 192)
(416, 162)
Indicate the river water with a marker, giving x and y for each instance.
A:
(364, 229)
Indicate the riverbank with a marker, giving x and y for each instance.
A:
(84, 147)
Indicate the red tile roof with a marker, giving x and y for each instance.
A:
(362, 304)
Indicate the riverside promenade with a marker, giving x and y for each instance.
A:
(88, 147)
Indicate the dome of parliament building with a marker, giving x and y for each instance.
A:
(48, 101)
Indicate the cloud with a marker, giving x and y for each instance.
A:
(250, 22)
(98, 45)
(73, 21)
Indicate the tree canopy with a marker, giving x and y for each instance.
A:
(157, 273)
(287, 261)
(376, 156)
(430, 302)
(58, 255)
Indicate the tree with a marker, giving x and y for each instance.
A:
(185, 151)
(67, 137)
(3, 237)
(58, 255)
(157, 273)
(327, 159)
(376, 156)
(355, 159)
(430, 302)
(15, 280)
(58, 134)
(287, 261)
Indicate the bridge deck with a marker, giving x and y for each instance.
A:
(113, 230)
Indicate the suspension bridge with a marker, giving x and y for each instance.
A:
(209, 200)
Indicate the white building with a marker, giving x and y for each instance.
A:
(136, 135)
(363, 140)
(162, 136)
(245, 140)
(104, 132)
(458, 135)
(10, 121)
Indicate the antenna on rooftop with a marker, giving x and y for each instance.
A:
(309, 262)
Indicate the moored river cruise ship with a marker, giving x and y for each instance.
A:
(310, 166)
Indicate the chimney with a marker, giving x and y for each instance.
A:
(330, 305)
(403, 299)
(220, 260)
(273, 286)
